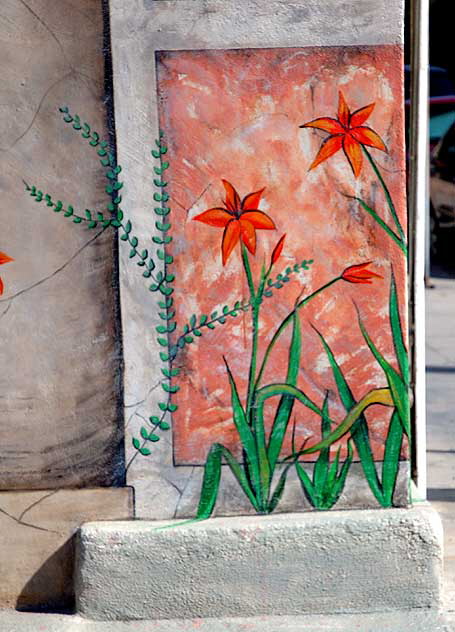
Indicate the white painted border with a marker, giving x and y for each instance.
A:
(419, 209)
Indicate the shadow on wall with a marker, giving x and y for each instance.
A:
(49, 589)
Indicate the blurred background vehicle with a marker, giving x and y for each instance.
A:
(442, 194)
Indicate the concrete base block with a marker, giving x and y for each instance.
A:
(286, 564)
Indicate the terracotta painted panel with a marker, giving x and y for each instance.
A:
(237, 115)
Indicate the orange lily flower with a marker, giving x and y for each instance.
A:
(347, 132)
(3, 259)
(239, 218)
(360, 274)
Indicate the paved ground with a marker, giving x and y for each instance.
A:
(440, 349)
(421, 621)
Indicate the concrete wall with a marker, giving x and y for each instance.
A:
(59, 425)
(61, 352)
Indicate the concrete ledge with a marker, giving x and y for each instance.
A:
(288, 564)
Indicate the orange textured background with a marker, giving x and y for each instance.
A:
(235, 114)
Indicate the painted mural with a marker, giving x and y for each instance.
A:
(280, 283)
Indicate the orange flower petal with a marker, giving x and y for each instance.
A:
(327, 124)
(248, 233)
(278, 249)
(4, 258)
(230, 238)
(258, 219)
(360, 116)
(366, 136)
(330, 146)
(353, 152)
(214, 217)
(1, 286)
(360, 274)
(251, 201)
(232, 197)
(343, 110)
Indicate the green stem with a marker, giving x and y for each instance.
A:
(386, 193)
(285, 323)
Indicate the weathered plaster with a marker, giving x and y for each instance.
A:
(352, 561)
(36, 541)
(138, 29)
(60, 382)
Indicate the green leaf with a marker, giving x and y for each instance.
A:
(145, 451)
(397, 333)
(359, 431)
(285, 406)
(398, 388)
(246, 436)
(382, 224)
(170, 388)
(144, 433)
(391, 463)
(307, 485)
(77, 220)
(321, 466)
(136, 443)
(211, 480)
(279, 489)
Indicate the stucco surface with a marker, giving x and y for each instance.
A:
(37, 544)
(60, 380)
(139, 29)
(353, 561)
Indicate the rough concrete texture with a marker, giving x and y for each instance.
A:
(58, 388)
(163, 491)
(37, 545)
(407, 621)
(353, 561)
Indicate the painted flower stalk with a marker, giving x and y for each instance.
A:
(348, 132)
(262, 452)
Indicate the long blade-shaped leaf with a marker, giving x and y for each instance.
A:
(398, 388)
(321, 466)
(262, 459)
(284, 410)
(246, 436)
(339, 483)
(276, 496)
(212, 476)
(210, 482)
(359, 432)
(307, 485)
(391, 462)
(397, 332)
(379, 396)
(400, 242)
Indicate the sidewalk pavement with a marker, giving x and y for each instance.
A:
(440, 360)
(411, 621)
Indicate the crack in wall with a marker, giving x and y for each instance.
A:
(73, 71)
(57, 271)
(19, 519)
